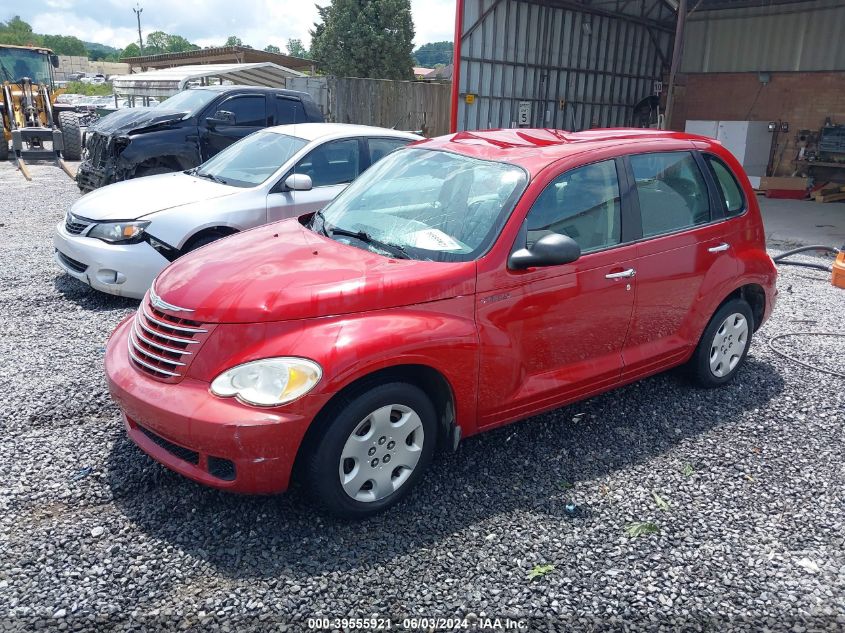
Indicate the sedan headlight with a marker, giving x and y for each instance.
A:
(118, 232)
(268, 382)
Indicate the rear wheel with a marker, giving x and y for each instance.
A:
(71, 135)
(724, 345)
(375, 449)
(4, 147)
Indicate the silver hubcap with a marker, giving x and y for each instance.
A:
(728, 345)
(382, 452)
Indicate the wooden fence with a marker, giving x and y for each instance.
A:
(404, 105)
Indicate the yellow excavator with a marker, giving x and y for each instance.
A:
(31, 118)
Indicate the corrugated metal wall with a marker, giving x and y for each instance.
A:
(804, 36)
(577, 69)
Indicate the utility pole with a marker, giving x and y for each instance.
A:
(138, 11)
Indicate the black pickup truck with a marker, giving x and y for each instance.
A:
(184, 131)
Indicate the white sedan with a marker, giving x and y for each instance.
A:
(118, 238)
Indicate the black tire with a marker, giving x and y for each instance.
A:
(71, 135)
(322, 466)
(4, 147)
(155, 170)
(722, 347)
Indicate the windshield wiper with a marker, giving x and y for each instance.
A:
(208, 176)
(394, 249)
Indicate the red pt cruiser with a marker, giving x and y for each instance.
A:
(462, 283)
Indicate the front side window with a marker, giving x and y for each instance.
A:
(333, 163)
(584, 204)
(427, 204)
(248, 111)
(251, 160)
(728, 186)
(188, 101)
(671, 190)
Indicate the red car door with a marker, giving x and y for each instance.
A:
(553, 334)
(682, 260)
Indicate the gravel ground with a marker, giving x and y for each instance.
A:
(744, 485)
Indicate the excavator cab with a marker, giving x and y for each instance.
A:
(30, 121)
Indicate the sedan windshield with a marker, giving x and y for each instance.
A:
(252, 160)
(191, 101)
(425, 204)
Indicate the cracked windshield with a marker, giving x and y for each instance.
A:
(423, 204)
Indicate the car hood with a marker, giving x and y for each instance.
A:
(129, 119)
(284, 271)
(134, 199)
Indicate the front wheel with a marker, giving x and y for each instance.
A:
(71, 135)
(724, 345)
(375, 449)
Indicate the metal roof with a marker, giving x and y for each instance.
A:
(219, 54)
(168, 81)
(775, 36)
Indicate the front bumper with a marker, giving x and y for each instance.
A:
(214, 441)
(126, 270)
(89, 178)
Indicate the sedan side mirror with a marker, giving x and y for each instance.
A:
(221, 117)
(552, 249)
(299, 182)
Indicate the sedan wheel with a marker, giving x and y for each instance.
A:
(370, 448)
(723, 345)
(381, 453)
(728, 345)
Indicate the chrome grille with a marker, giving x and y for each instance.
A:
(76, 225)
(162, 345)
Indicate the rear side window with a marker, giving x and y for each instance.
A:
(333, 163)
(671, 191)
(584, 204)
(289, 111)
(381, 147)
(728, 186)
(248, 111)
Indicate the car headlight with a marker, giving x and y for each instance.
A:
(118, 232)
(268, 382)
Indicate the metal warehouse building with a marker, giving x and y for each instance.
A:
(566, 65)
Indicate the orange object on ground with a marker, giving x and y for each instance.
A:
(838, 278)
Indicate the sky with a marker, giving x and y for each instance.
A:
(206, 22)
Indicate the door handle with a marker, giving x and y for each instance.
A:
(718, 249)
(621, 275)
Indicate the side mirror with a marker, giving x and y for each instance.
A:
(299, 182)
(221, 117)
(54, 60)
(553, 249)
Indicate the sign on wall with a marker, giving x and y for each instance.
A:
(524, 117)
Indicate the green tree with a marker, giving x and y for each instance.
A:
(178, 44)
(270, 48)
(296, 49)
(131, 50)
(19, 33)
(434, 53)
(156, 43)
(365, 38)
(234, 40)
(65, 45)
